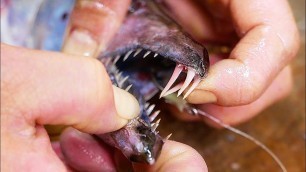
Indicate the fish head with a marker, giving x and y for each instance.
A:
(150, 53)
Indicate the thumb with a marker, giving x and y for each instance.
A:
(57, 89)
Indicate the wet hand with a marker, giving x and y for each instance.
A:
(254, 73)
(40, 88)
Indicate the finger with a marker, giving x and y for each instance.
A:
(279, 89)
(267, 45)
(92, 24)
(57, 149)
(53, 88)
(176, 157)
(27, 151)
(204, 26)
(84, 153)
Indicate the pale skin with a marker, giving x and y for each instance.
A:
(256, 72)
(39, 88)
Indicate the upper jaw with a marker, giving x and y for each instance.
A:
(144, 29)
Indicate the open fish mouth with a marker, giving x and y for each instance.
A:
(150, 54)
(151, 44)
(152, 72)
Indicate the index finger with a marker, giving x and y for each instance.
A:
(268, 44)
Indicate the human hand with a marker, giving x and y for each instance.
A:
(39, 88)
(255, 73)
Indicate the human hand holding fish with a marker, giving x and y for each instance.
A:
(40, 88)
(245, 83)
(250, 68)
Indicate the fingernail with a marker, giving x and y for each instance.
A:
(201, 97)
(126, 104)
(80, 42)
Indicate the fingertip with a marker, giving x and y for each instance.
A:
(201, 96)
(126, 104)
(179, 157)
(279, 89)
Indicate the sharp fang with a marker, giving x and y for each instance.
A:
(158, 121)
(107, 61)
(150, 109)
(127, 55)
(167, 138)
(118, 76)
(147, 105)
(116, 59)
(122, 81)
(178, 69)
(128, 88)
(147, 53)
(190, 75)
(174, 89)
(154, 115)
(155, 55)
(137, 52)
(196, 82)
(154, 127)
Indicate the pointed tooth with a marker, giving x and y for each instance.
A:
(116, 59)
(174, 89)
(137, 52)
(158, 121)
(154, 127)
(154, 115)
(178, 69)
(107, 61)
(127, 55)
(147, 105)
(155, 55)
(118, 76)
(167, 138)
(196, 82)
(147, 53)
(150, 109)
(190, 75)
(129, 87)
(122, 81)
